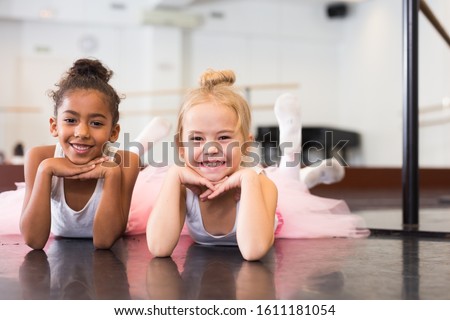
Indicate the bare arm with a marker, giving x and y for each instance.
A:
(111, 216)
(167, 217)
(40, 167)
(255, 221)
(35, 219)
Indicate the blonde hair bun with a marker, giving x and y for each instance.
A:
(211, 78)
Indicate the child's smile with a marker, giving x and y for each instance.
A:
(83, 126)
(214, 144)
(212, 164)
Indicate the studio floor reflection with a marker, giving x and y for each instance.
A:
(380, 267)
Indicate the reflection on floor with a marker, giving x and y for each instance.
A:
(390, 264)
(430, 219)
(380, 267)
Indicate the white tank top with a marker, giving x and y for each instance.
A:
(194, 222)
(65, 221)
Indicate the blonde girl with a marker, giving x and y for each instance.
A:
(222, 202)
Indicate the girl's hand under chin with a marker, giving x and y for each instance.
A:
(103, 166)
(64, 168)
(232, 182)
(195, 182)
(100, 168)
(204, 196)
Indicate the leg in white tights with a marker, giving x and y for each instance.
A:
(154, 131)
(328, 171)
(288, 113)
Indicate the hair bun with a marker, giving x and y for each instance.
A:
(211, 78)
(90, 68)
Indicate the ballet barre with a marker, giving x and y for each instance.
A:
(443, 108)
(445, 105)
(428, 13)
(247, 89)
(150, 112)
(20, 109)
(174, 112)
(434, 122)
(435, 108)
(181, 91)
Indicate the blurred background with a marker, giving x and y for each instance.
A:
(343, 59)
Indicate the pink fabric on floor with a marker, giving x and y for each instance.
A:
(305, 215)
(146, 190)
(10, 210)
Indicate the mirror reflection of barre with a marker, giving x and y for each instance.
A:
(436, 114)
(428, 13)
(429, 115)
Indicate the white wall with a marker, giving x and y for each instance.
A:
(280, 43)
(9, 31)
(434, 85)
(372, 73)
(371, 80)
(46, 51)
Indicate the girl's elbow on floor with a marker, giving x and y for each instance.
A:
(253, 255)
(103, 242)
(35, 244)
(256, 251)
(33, 240)
(160, 251)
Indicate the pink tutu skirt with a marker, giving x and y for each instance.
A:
(145, 192)
(300, 213)
(304, 215)
(10, 210)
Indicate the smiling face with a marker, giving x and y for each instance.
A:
(212, 141)
(83, 125)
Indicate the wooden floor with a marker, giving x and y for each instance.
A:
(392, 264)
(377, 268)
